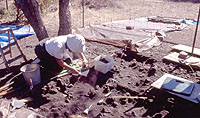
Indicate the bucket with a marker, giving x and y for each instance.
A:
(31, 71)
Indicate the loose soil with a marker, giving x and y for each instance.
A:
(131, 75)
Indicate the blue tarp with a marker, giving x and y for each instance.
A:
(19, 32)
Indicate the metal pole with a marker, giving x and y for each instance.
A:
(83, 4)
(195, 35)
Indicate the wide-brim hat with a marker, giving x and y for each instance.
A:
(76, 43)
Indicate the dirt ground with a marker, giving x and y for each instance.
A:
(131, 75)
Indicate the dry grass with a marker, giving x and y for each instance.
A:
(126, 9)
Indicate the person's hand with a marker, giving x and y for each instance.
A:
(85, 64)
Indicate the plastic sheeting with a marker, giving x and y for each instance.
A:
(19, 32)
(134, 34)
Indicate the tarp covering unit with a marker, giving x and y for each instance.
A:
(135, 34)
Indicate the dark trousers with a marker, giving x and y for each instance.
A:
(46, 60)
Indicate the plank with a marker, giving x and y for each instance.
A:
(187, 49)
(193, 61)
(117, 43)
(193, 97)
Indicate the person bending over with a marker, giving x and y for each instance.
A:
(56, 53)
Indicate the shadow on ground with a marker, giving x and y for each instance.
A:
(161, 103)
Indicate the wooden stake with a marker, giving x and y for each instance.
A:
(195, 35)
(83, 4)
(131, 97)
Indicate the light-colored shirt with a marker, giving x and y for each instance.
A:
(56, 47)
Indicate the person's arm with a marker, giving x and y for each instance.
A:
(65, 65)
(84, 60)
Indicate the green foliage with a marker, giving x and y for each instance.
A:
(4, 13)
(10, 12)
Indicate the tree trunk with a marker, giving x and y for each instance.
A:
(64, 18)
(31, 10)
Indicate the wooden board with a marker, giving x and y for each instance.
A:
(187, 49)
(194, 61)
(117, 43)
(193, 97)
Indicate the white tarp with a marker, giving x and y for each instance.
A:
(139, 34)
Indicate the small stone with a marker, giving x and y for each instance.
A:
(141, 69)
(147, 67)
(141, 75)
(53, 91)
(163, 69)
(133, 114)
(127, 94)
(64, 95)
(171, 67)
(91, 94)
(122, 101)
(198, 73)
(115, 104)
(58, 88)
(67, 100)
(105, 110)
(70, 95)
(150, 100)
(100, 102)
(69, 85)
(122, 63)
